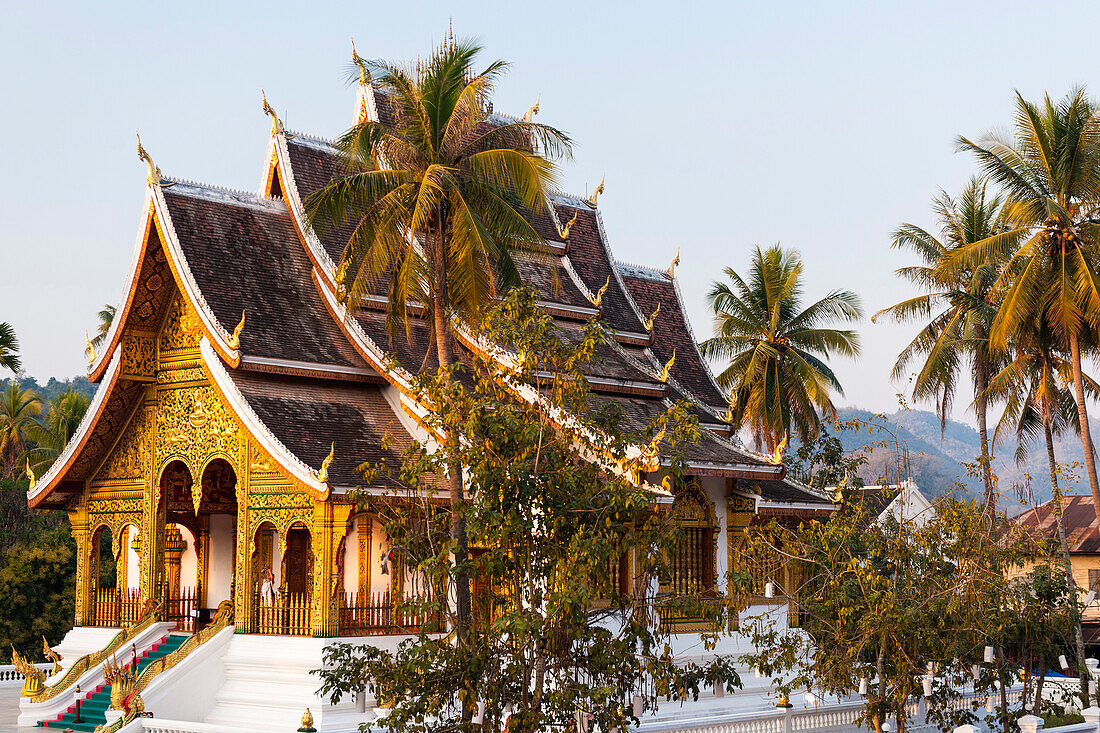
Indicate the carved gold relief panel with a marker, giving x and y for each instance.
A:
(139, 356)
(128, 458)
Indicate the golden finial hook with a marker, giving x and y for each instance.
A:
(596, 301)
(235, 337)
(322, 475)
(529, 116)
(652, 318)
(596, 193)
(89, 349)
(276, 123)
(30, 474)
(671, 271)
(364, 75)
(666, 372)
(563, 231)
(153, 176)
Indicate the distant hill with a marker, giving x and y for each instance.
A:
(54, 386)
(937, 462)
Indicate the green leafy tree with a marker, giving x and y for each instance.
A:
(37, 586)
(9, 348)
(53, 432)
(550, 517)
(777, 375)
(439, 199)
(1050, 170)
(957, 308)
(19, 411)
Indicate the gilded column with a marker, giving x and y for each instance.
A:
(243, 591)
(78, 518)
(174, 547)
(202, 560)
(329, 523)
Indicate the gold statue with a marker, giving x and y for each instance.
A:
(653, 317)
(341, 275)
(322, 475)
(596, 301)
(563, 231)
(667, 371)
(235, 337)
(596, 194)
(153, 176)
(529, 116)
(364, 75)
(30, 474)
(671, 271)
(121, 678)
(89, 349)
(307, 723)
(33, 678)
(276, 123)
(51, 655)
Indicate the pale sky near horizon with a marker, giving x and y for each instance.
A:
(719, 126)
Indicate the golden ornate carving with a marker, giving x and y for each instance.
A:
(597, 300)
(153, 176)
(181, 329)
(364, 75)
(777, 456)
(276, 123)
(652, 318)
(529, 115)
(33, 678)
(666, 371)
(51, 655)
(235, 337)
(89, 349)
(322, 475)
(139, 356)
(192, 423)
(595, 197)
(671, 271)
(127, 459)
(121, 678)
(307, 723)
(30, 474)
(563, 231)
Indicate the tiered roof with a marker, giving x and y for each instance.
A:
(306, 374)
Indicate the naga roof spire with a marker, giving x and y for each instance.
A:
(671, 271)
(276, 123)
(596, 193)
(364, 75)
(529, 116)
(154, 176)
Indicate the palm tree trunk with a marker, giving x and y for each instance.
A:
(1064, 544)
(452, 482)
(982, 383)
(1083, 419)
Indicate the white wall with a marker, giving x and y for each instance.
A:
(715, 489)
(220, 568)
(189, 560)
(133, 562)
(380, 543)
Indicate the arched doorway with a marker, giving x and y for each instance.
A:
(692, 562)
(103, 578)
(217, 521)
(282, 579)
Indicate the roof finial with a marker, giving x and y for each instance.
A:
(530, 114)
(563, 231)
(89, 349)
(596, 194)
(777, 456)
(235, 337)
(154, 175)
(30, 473)
(596, 301)
(666, 372)
(652, 318)
(322, 475)
(276, 123)
(671, 271)
(364, 75)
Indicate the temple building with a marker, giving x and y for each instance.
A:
(237, 395)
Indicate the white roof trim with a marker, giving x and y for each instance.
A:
(289, 462)
(297, 212)
(91, 416)
(308, 366)
(193, 292)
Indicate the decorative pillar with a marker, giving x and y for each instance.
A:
(121, 560)
(174, 547)
(364, 530)
(739, 513)
(202, 559)
(79, 523)
(244, 595)
(329, 526)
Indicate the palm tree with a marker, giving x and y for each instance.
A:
(19, 409)
(439, 199)
(9, 348)
(777, 377)
(1050, 171)
(1036, 388)
(957, 309)
(51, 434)
(106, 318)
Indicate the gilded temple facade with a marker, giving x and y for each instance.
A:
(238, 394)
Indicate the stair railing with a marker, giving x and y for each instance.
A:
(148, 617)
(132, 704)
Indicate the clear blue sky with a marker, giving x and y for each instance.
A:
(718, 125)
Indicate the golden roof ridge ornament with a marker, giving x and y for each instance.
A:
(235, 337)
(153, 175)
(666, 372)
(777, 456)
(654, 447)
(322, 475)
(529, 115)
(596, 193)
(89, 349)
(671, 271)
(276, 123)
(652, 318)
(364, 75)
(563, 231)
(30, 474)
(598, 299)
